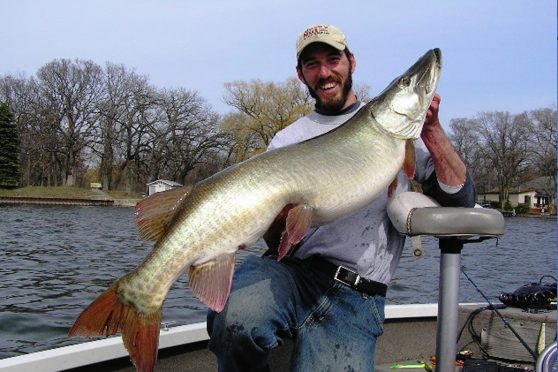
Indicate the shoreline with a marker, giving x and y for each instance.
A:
(38, 200)
(68, 201)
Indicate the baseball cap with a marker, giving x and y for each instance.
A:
(327, 34)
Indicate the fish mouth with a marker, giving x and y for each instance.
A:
(428, 77)
(438, 56)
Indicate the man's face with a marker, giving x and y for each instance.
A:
(327, 72)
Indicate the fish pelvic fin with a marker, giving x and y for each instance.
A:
(154, 213)
(108, 315)
(211, 281)
(299, 220)
(409, 161)
(391, 188)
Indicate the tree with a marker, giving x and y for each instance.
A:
(10, 172)
(543, 146)
(72, 89)
(263, 109)
(465, 136)
(504, 144)
(185, 136)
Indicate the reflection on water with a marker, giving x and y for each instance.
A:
(56, 259)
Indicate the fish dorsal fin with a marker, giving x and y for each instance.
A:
(299, 220)
(211, 281)
(154, 212)
(409, 162)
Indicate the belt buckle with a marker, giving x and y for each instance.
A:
(343, 268)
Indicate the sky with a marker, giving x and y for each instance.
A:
(497, 55)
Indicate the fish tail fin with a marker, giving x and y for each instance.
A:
(108, 314)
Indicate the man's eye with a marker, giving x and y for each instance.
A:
(334, 60)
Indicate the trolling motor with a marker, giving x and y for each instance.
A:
(415, 214)
(533, 297)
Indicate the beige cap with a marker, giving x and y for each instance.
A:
(327, 34)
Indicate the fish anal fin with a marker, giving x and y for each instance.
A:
(154, 212)
(211, 281)
(108, 315)
(299, 220)
(409, 162)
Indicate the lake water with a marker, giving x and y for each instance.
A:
(55, 260)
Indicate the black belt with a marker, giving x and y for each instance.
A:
(348, 277)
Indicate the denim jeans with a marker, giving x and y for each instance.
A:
(334, 328)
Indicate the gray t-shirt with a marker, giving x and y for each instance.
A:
(365, 241)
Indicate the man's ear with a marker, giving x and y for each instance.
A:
(352, 61)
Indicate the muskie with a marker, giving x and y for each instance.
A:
(313, 183)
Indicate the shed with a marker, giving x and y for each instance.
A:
(161, 185)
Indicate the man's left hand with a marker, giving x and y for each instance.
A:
(432, 113)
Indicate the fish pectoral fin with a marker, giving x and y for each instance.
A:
(299, 220)
(409, 162)
(154, 212)
(211, 281)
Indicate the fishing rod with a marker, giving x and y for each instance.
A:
(506, 323)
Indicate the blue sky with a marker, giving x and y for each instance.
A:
(498, 55)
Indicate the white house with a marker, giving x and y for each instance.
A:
(161, 185)
(535, 194)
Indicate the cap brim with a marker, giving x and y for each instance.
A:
(336, 45)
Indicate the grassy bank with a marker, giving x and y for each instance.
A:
(63, 192)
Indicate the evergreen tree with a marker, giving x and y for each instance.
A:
(10, 171)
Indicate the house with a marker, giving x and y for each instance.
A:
(161, 185)
(536, 194)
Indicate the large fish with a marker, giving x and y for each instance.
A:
(311, 183)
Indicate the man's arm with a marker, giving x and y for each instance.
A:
(458, 188)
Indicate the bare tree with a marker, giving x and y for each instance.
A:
(543, 146)
(187, 135)
(72, 89)
(465, 136)
(504, 143)
(137, 119)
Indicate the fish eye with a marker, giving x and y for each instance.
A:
(405, 82)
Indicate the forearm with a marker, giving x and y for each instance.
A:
(450, 169)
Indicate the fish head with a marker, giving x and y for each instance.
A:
(401, 107)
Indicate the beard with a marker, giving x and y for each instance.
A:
(334, 106)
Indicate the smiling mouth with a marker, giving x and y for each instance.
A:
(326, 87)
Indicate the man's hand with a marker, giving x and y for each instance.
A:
(450, 169)
(432, 113)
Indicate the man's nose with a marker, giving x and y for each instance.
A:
(324, 71)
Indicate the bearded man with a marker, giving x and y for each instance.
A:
(311, 295)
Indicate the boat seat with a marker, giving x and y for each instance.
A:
(415, 214)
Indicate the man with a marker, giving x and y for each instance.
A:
(334, 325)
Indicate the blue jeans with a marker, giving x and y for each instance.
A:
(333, 326)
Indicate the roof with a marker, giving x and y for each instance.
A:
(166, 182)
(539, 185)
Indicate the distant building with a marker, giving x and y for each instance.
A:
(535, 194)
(161, 185)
